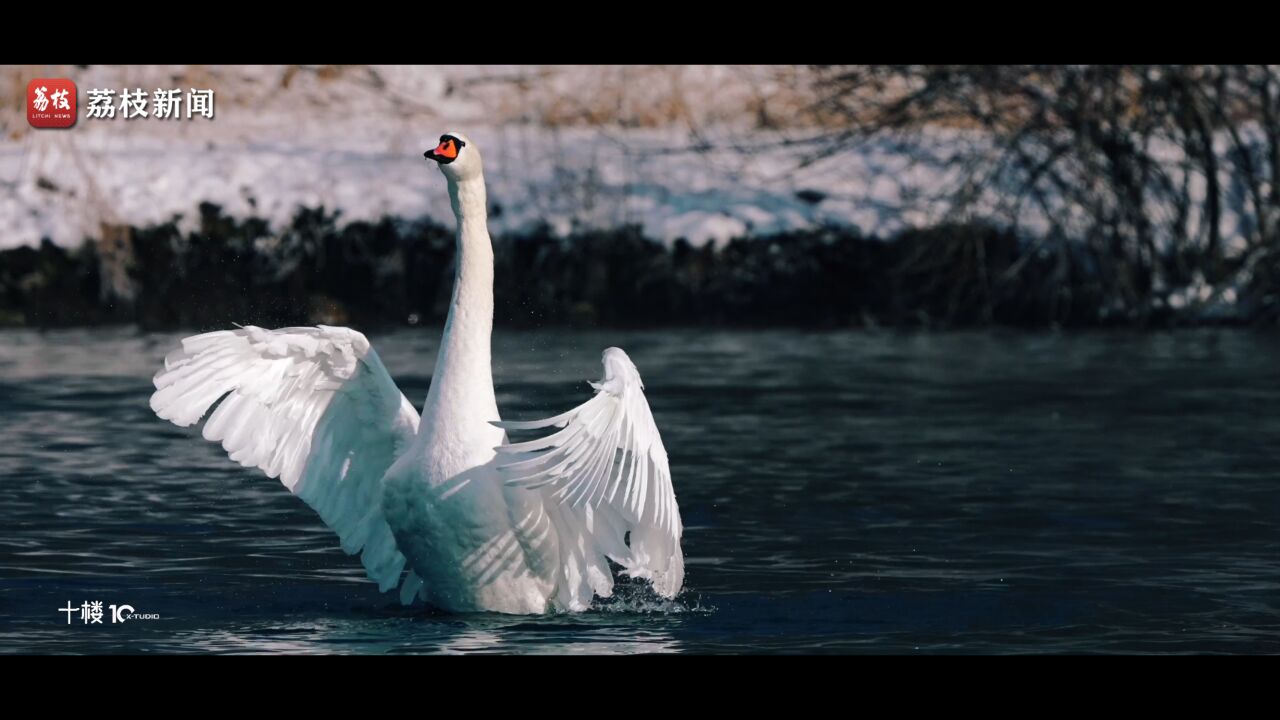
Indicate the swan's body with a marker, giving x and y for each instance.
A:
(479, 524)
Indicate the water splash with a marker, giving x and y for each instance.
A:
(638, 598)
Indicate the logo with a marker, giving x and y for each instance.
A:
(92, 613)
(172, 104)
(51, 103)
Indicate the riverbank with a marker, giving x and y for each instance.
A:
(400, 272)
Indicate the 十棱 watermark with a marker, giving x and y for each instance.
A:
(91, 612)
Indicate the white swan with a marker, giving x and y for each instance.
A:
(480, 525)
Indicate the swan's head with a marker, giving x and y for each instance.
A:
(458, 157)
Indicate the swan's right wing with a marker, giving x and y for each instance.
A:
(606, 470)
(313, 406)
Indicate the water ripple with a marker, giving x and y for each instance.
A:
(842, 492)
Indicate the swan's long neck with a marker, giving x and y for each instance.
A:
(461, 402)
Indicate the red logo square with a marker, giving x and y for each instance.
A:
(51, 103)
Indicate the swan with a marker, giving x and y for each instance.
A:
(443, 505)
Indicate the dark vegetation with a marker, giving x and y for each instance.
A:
(397, 272)
(1133, 168)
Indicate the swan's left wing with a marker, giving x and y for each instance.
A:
(313, 406)
(606, 470)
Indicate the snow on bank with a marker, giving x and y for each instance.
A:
(356, 146)
(62, 185)
(352, 140)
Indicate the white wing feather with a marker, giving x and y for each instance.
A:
(313, 406)
(606, 468)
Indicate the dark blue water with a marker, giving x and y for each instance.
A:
(848, 493)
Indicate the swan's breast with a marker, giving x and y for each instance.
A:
(457, 532)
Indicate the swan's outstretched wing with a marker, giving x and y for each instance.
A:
(313, 406)
(606, 470)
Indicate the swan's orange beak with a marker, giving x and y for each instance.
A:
(445, 152)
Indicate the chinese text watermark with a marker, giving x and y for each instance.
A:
(159, 104)
(92, 613)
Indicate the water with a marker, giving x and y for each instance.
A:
(842, 493)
